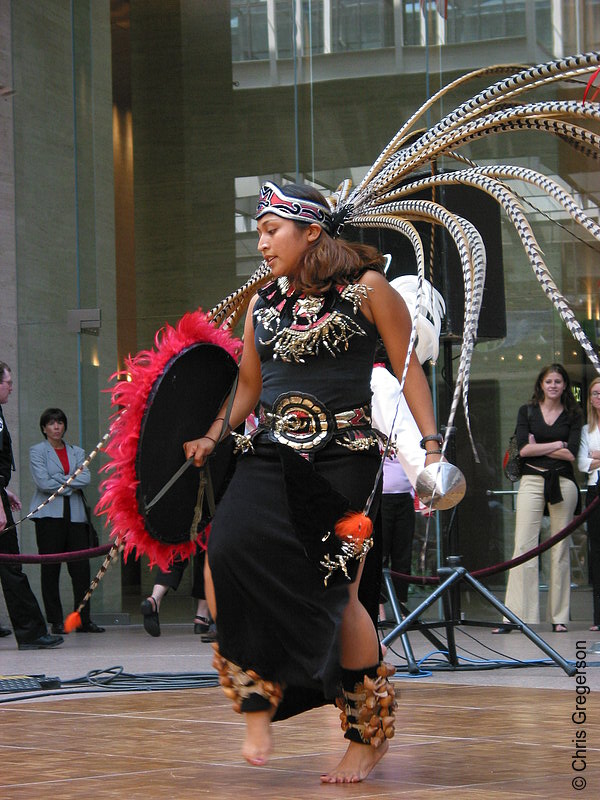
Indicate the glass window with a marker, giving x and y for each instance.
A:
(418, 27)
(477, 20)
(411, 13)
(578, 28)
(312, 27)
(362, 24)
(543, 24)
(249, 37)
(591, 24)
(284, 27)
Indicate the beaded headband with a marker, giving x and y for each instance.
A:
(273, 200)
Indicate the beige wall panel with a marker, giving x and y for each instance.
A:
(183, 180)
(64, 228)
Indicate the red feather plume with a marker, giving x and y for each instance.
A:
(72, 622)
(355, 526)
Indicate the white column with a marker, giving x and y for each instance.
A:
(558, 44)
(327, 25)
(272, 42)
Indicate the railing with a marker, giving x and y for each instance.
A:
(577, 551)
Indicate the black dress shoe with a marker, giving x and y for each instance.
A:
(42, 642)
(4, 631)
(91, 627)
(57, 627)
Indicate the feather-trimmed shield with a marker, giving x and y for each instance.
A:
(170, 394)
(182, 406)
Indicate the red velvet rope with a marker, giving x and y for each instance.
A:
(79, 555)
(514, 562)
(54, 558)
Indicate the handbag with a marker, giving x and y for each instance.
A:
(93, 540)
(512, 463)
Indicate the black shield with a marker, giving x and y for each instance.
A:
(181, 406)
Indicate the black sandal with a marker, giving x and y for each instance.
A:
(558, 627)
(149, 609)
(201, 624)
(503, 629)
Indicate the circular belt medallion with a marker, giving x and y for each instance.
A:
(298, 421)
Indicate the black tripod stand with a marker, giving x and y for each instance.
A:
(451, 577)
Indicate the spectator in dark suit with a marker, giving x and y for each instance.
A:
(23, 609)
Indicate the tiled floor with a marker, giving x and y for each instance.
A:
(476, 733)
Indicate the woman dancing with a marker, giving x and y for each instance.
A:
(282, 586)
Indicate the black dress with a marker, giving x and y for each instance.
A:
(279, 613)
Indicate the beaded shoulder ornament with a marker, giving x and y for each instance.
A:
(313, 322)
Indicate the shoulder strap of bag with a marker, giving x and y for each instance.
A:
(86, 506)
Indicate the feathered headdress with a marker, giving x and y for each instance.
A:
(383, 198)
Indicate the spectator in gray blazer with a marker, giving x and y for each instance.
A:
(61, 526)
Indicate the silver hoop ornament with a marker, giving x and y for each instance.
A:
(441, 486)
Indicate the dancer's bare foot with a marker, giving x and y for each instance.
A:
(257, 745)
(356, 764)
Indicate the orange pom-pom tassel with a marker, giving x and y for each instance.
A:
(72, 622)
(354, 527)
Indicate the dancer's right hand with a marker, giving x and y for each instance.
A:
(200, 449)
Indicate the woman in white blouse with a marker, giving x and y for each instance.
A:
(588, 460)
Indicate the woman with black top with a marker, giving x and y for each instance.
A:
(588, 461)
(548, 433)
(282, 587)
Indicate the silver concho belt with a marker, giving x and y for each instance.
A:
(302, 422)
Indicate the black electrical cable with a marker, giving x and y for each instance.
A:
(115, 679)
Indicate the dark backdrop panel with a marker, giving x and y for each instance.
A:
(484, 212)
(478, 536)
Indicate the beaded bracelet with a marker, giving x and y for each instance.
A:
(227, 427)
(433, 453)
(434, 437)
